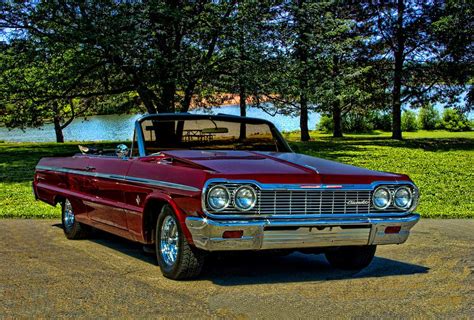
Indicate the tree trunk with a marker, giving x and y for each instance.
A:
(57, 123)
(302, 54)
(147, 99)
(304, 118)
(337, 120)
(243, 110)
(167, 98)
(336, 104)
(188, 96)
(398, 74)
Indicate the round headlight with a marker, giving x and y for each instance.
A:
(381, 198)
(403, 198)
(218, 198)
(245, 198)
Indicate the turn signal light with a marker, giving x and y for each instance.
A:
(233, 234)
(393, 229)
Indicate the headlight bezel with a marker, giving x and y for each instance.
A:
(221, 186)
(389, 201)
(254, 202)
(410, 202)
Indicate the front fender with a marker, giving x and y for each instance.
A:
(180, 214)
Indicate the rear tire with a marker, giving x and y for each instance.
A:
(72, 228)
(176, 258)
(351, 257)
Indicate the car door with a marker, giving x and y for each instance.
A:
(107, 189)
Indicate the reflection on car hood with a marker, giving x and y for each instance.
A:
(276, 167)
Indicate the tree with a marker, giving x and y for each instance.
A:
(342, 67)
(455, 120)
(321, 63)
(405, 34)
(38, 85)
(156, 48)
(240, 64)
(428, 117)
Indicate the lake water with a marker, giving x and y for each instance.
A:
(120, 127)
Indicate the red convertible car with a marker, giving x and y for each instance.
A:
(191, 184)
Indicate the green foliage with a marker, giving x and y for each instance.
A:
(409, 122)
(382, 121)
(325, 124)
(454, 120)
(354, 122)
(428, 118)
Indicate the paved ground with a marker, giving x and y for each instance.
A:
(44, 275)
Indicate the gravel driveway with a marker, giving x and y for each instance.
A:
(42, 274)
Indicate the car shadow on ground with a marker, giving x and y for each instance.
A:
(297, 267)
(256, 268)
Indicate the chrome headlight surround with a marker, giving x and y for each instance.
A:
(208, 195)
(410, 198)
(253, 200)
(389, 199)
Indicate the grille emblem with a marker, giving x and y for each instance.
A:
(357, 202)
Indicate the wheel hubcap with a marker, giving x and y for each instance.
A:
(169, 240)
(68, 215)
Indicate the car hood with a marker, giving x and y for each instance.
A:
(276, 167)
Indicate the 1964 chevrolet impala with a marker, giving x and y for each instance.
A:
(191, 184)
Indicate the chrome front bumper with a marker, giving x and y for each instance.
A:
(302, 233)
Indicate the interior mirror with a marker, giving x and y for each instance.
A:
(121, 151)
(215, 130)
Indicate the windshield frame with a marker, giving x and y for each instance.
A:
(187, 116)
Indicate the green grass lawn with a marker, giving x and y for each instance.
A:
(441, 164)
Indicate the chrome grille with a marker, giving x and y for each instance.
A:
(278, 202)
(307, 201)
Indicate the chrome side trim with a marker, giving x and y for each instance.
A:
(140, 138)
(289, 187)
(312, 168)
(151, 182)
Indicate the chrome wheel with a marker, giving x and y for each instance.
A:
(68, 215)
(169, 245)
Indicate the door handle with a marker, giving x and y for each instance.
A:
(89, 168)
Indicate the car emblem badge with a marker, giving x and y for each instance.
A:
(138, 200)
(357, 202)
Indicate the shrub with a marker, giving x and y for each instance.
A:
(354, 122)
(325, 124)
(409, 121)
(357, 122)
(454, 120)
(429, 118)
(382, 121)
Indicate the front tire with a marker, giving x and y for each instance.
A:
(176, 258)
(351, 257)
(72, 228)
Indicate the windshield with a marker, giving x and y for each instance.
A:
(210, 134)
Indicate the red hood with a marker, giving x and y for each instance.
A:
(274, 167)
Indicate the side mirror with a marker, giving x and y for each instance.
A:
(122, 151)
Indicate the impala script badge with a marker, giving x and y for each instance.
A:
(357, 202)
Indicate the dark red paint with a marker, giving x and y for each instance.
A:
(121, 207)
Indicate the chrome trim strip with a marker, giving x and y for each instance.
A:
(289, 187)
(157, 183)
(140, 138)
(311, 167)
